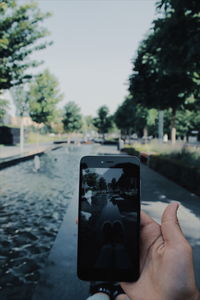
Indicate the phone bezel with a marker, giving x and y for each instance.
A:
(109, 162)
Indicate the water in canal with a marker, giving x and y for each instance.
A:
(33, 200)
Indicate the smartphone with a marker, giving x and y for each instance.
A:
(109, 218)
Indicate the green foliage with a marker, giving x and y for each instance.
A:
(104, 121)
(43, 97)
(88, 125)
(20, 99)
(184, 171)
(176, 162)
(37, 138)
(155, 147)
(131, 117)
(125, 116)
(186, 122)
(188, 154)
(166, 69)
(20, 35)
(72, 119)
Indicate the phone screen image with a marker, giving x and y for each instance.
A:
(108, 222)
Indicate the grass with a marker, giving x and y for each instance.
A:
(187, 154)
(34, 137)
(160, 148)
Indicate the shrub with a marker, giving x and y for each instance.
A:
(181, 166)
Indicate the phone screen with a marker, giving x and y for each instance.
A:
(109, 221)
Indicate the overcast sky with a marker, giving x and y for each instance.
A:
(94, 43)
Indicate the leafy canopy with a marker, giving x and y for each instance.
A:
(167, 67)
(20, 99)
(104, 121)
(72, 119)
(21, 31)
(131, 117)
(44, 95)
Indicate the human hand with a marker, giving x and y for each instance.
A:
(166, 266)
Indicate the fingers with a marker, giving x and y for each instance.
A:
(145, 219)
(170, 227)
(150, 232)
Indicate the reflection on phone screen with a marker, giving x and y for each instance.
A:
(108, 218)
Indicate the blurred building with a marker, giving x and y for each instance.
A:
(16, 121)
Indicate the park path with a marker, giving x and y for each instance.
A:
(59, 280)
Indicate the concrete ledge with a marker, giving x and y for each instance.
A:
(59, 279)
(13, 160)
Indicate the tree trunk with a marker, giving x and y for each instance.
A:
(145, 132)
(160, 125)
(103, 135)
(129, 136)
(173, 126)
(22, 135)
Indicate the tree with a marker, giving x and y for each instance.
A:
(125, 116)
(20, 99)
(187, 121)
(44, 95)
(57, 125)
(72, 119)
(88, 126)
(166, 69)
(131, 117)
(20, 35)
(104, 121)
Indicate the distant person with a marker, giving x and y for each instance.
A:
(167, 271)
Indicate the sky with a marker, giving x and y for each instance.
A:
(94, 44)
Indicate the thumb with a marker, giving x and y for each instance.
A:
(170, 227)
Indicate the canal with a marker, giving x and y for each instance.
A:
(32, 206)
(34, 200)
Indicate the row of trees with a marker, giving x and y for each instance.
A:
(21, 34)
(165, 73)
(39, 99)
(136, 118)
(165, 77)
(133, 118)
(166, 70)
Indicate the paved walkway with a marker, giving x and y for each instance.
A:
(59, 280)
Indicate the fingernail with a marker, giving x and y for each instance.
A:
(177, 203)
